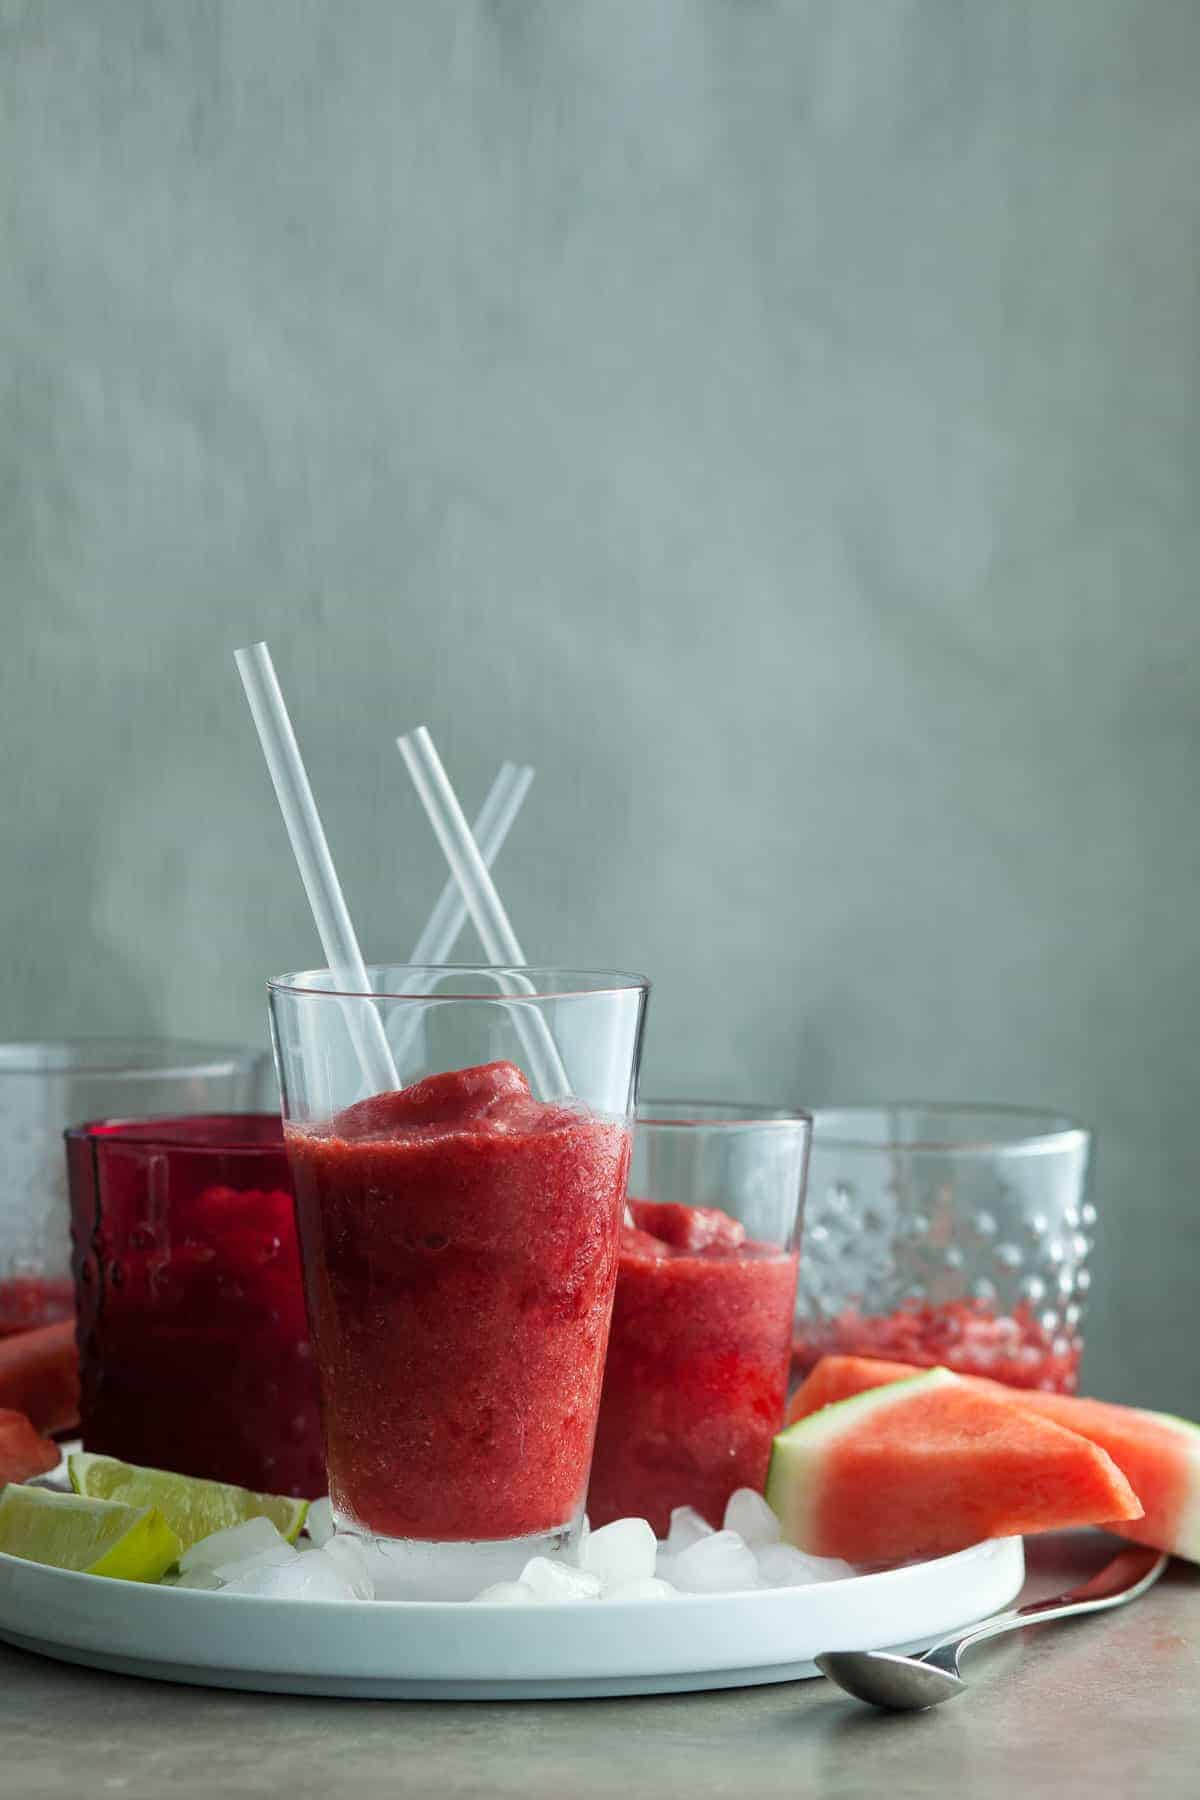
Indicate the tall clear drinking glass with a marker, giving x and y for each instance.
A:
(948, 1234)
(459, 1243)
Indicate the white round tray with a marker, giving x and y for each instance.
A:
(448, 1650)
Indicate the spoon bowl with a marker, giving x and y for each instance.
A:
(895, 1683)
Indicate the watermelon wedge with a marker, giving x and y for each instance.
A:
(1158, 1454)
(39, 1375)
(927, 1465)
(22, 1452)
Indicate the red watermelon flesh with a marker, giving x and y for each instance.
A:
(39, 1375)
(930, 1465)
(22, 1452)
(838, 1377)
(1159, 1455)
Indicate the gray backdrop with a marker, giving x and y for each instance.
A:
(778, 422)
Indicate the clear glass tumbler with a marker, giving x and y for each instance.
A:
(947, 1234)
(459, 1241)
(697, 1370)
(44, 1087)
(194, 1350)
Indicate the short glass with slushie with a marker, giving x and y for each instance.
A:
(697, 1370)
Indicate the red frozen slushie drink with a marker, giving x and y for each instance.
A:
(459, 1240)
(697, 1367)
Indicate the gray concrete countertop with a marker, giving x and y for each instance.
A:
(1107, 1708)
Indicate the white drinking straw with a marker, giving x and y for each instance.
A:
(505, 798)
(311, 850)
(499, 940)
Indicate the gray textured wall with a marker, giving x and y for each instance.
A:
(776, 421)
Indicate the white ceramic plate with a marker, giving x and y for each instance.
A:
(447, 1650)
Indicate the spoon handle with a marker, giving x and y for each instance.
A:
(1129, 1574)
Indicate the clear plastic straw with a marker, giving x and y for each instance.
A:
(309, 846)
(483, 903)
(505, 798)
(436, 943)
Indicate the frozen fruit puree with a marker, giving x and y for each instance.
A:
(460, 1247)
(697, 1365)
(968, 1336)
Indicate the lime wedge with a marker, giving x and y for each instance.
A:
(100, 1537)
(192, 1508)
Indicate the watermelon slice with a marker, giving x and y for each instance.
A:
(22, 1452)
(924, 1466)
(39, 1375)
(1158, 1454)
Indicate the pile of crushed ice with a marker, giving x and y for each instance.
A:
(621, 1561)
(254, 1559)
(625, 1561)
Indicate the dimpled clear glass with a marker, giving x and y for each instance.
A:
(953, 1235)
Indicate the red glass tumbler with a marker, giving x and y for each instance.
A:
(193, 1338)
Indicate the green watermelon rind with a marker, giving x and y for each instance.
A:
(1185, 1534)
(792, 1488)
(1185, 1425)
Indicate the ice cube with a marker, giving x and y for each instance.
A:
(650, 1588)
(748, 1514)
(317, 1579)
(202, 1579)
(687, 1528)
(318, 1521)
(229, 1545)
(510, 1593)
(304, 1578)
(721, 1563)
(621, 1552)
(349, 1558)
(276, 1557)
(558, 1581)
(269, 1581)
(782, 1565)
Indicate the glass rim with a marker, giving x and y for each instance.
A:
(129, 1132)
(177, 1059)
(1048, 1131)
(730, 1115)
(562, 983)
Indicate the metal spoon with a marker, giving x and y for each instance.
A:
(910, 1683)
